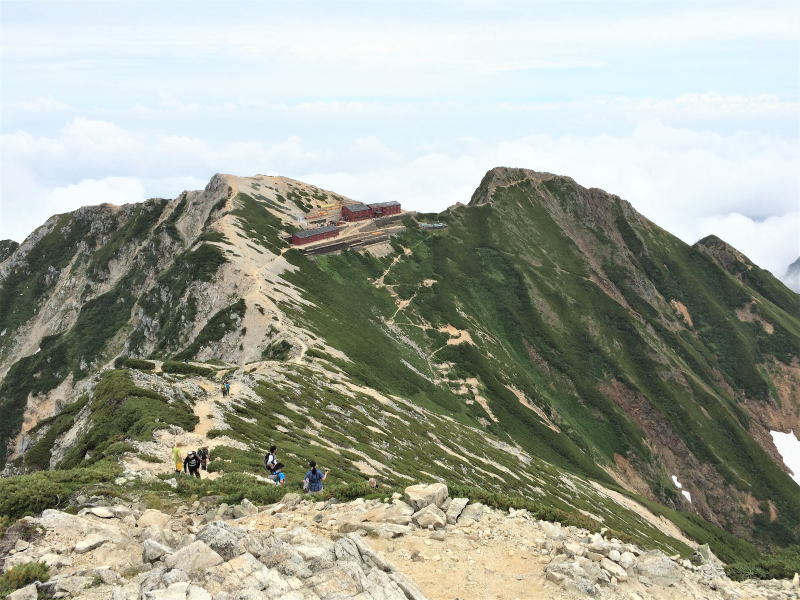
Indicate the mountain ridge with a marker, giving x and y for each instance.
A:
(553, 318)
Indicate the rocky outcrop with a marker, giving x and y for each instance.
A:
(298, 550)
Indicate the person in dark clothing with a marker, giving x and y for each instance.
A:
(203, 455)
(271, 459)
(191, 464)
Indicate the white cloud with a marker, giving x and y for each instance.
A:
(742, 187)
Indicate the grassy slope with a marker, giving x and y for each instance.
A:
(520, 285)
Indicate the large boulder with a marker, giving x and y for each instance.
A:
(243, 571)
(153, 517)
(28, 592)
(421, 495)
(658, 569)
(152, 551)
(224, 539)
(455, 508)
(472, 513)
(431, 516)
(197, 556)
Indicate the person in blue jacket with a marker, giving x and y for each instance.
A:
(314, 478)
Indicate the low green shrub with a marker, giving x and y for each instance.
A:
(122, 362)
(781, 564)
(22, 575)
(180, 368)
(31, 494)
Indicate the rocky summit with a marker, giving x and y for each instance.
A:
(543, 348)
(381, 549)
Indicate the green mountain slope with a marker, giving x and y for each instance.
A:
(546, 320)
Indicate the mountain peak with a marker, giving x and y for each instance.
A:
(504, 177)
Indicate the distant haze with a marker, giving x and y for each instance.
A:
(689, 112)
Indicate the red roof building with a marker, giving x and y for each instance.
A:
(356, 212)
(313, 235)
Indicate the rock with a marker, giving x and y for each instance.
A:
(249, 507)
(454, 509)
(658, 569)
(197, 556)
(121, 511)
(472, 513)
(102, 512)
(430, 516)
(152, 551)
(291, 500)
(72, 584)
(174, 576)
(153, 517)
(195, 592)
(90, 543)
(704, 556)
(224, 539)
(614, 569)
(420, 496)
(29, 592)
(176, 591)
(614, 555)
(574, 549)
(107, 576)
(21, 545)
(627, 560)
(55, 561)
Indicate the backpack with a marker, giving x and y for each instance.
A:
(267, 465)
(193, 462)
(202, 453)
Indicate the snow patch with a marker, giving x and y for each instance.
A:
(678, 485)
(789, 448)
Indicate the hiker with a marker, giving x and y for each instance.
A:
(176, 457)
(314, 478)
(278, 475)
(203, 455)
(227, 388)
(271, 459)
(192, 463)
(224, 390)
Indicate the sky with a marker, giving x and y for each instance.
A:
(689, 110)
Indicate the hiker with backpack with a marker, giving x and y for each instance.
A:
(224, 390)
(227, 388)
(271, 459)
(314, 478)
(278, 475)
(192, 464)
(204, 457)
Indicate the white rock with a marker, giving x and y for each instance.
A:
(430, 516)
(614, 555)
(152, 551)
(197, 556)
(26, 593)
(455, 508)
(614, 569)
(90, 543)
(249, 507)
(102, 512)
(421, 495)
(472, 513)
(153, 517)
(55, 561)
(176, 591)
(627, 560)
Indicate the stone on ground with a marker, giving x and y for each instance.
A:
(421, 495)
